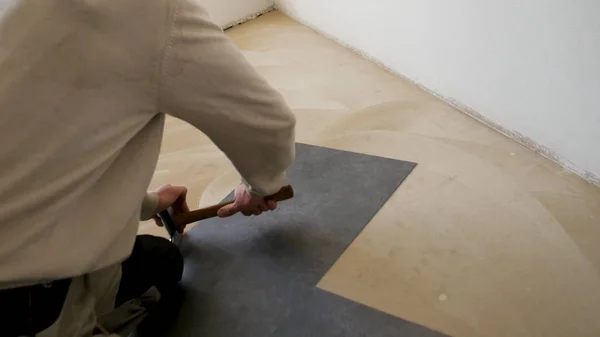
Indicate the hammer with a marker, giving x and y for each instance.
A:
(174, 222)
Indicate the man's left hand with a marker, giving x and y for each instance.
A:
(171, 196)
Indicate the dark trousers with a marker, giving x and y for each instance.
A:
(154, 265)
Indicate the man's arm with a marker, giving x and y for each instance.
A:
(206, 81)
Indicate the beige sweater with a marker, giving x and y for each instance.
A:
(83, 88)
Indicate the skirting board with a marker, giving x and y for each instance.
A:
(516, 136)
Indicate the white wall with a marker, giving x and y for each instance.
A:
(224, 12)
(532, 66)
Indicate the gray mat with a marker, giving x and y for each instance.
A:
(257, 276)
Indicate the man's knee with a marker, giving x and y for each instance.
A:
(154, 262)
(163, 259)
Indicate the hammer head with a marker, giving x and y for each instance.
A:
(167, 220)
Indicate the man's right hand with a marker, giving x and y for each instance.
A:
(247, 204)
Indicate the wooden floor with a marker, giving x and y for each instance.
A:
(484, 238)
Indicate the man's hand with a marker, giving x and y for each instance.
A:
(171, 196)
(247, 204)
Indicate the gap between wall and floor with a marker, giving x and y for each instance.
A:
(249, 17)
(516, 136)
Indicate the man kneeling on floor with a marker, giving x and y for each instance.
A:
(84, 88)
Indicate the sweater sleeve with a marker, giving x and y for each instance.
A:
(149, 205)
(206, 81)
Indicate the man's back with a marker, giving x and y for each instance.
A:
(82, 85)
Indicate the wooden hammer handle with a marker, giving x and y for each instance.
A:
(181, 220)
